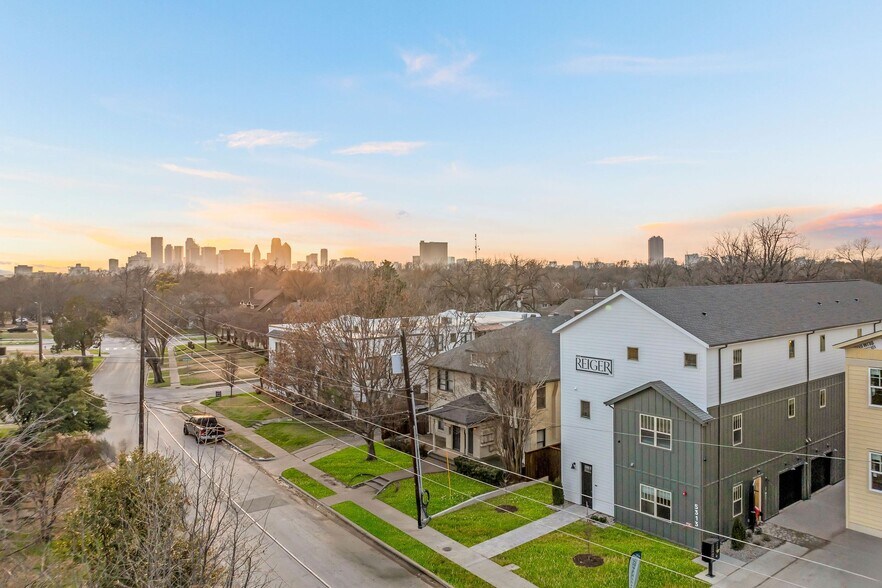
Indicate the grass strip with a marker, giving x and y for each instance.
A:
(403, 543)
(444, 492)
(350, 465)
(247, 409)
(312, 487)
(247, 445)
(292, 436)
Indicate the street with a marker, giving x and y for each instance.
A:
(335, 553)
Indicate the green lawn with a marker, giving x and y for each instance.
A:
(247, 445)
(397, 539)
(190, 409)
(350, 466)
(198, 347)
(313, 487)
(400, 494)
(166, 379)
(478, 523)
(547, 562)
(292, 436)
(247, 409)
(7, 429)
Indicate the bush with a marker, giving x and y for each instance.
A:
(405, 444)
(557, 493)
(739, 534)
(599, 518)
(479, 471)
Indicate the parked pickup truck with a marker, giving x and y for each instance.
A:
(204, 427)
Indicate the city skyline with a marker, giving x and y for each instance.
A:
(367, 140)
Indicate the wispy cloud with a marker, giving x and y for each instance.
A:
(351, 197)
(641, 65)
(203, 173)
(254, 138)
(454, 72)
(382, 147)
(848, 224)
(626, 159)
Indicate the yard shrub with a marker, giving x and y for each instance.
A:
(404, 444)
(479, 471)
(739, 534)
(557, 493)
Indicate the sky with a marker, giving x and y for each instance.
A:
(559, 131)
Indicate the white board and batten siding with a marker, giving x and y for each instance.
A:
(606, 333)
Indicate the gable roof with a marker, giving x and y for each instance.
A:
(720, 315)
(860, 341)
(672, 395)
(466, 410)
(573, 306)
(538, 331)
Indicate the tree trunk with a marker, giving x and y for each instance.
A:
(372, 448)
(155, 366)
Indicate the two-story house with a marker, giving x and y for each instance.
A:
(685, 408)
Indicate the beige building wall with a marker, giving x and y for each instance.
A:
(863, 434)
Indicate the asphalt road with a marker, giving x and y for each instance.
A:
(334, 552)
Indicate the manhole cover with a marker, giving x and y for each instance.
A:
(446, 549)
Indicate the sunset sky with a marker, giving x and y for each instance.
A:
(559, 131)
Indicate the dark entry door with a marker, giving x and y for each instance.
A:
(587, 485)
(457, 445)
(789, 487)
(820, 472)
(470, 441)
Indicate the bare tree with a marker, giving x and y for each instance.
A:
(765, 252)
(656, 274)
(230, 370)
(863, 255)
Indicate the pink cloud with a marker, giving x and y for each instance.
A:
(847, 224)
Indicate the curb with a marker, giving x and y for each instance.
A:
(365, 536)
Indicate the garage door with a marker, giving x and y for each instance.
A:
(820, 472)
(789, 487)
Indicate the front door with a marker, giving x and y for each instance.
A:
(821, 472)
(587, 485)
(457, 445)
(470, 441)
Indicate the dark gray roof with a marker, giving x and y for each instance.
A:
(574, 306)
(743, 312)
(675, 397)
(467, 410)
(537, 331)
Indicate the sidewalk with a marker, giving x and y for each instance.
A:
(173, 376)
(530, 531)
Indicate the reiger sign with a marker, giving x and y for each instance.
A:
(595, 365)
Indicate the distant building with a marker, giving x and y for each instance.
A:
(230, 260)
(577, 265)
(178, 258)
(416, 261)
(191, 250)
(112, 265)
(433, 253)
(323, 258)
(23, 270)
(451, 260)
(209, 259)
(656, 249)
(169, 255)
(78, 270)
(286, 255)
(312, 260)
(255, 257)
(139, 259)
(552, 264)
(462, 261)
(350, 261)
(156, 251)
(691, 259)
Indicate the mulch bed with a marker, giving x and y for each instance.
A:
(587, 560)
(506, 508)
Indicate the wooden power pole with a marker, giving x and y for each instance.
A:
(422, 496)
(143, 370)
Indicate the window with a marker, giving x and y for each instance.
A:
(585, 409)
(690, 360)
(737, 500)
(488, 436)
(822, 398)
(791, 408)
(875, 387)
(540, 397)
(737, 435)
(655, 431)
(440, 426)
(736, 364)
(633, 354)
(444, 381)
(540, 438)
(822, 340)
(791, 349)
(473, 382)
(483, 385)
(876, 472)
(860, 332)
(655, 502)
(452, 338)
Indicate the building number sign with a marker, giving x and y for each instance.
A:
(595, 365)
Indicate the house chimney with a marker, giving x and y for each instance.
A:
(250, 294)
(597, 291)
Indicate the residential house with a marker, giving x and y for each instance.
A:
(685, 408)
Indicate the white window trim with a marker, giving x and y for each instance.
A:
(822, 344)
(740, 355)
(822, 398)
(791, 402)
(655, 495)
(740, 428)
(655, 431)
(871, 472)
(870, 387)
(738, 496)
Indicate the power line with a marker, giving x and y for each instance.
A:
(615, 505)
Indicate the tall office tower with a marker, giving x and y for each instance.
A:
(209, 259)
(113, 265)
(191, 250)
(656, 249)
(255, 256)
(156, 251)
(230, 260)
(286, 256)
(274, 257)
(312, 260)
(433, 253)
(169, 255)
(178, 258)
(323, 257)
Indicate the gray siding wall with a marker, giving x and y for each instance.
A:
(679, 471)
(767, 431)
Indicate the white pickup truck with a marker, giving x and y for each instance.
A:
(204, 428)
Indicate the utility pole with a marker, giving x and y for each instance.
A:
(143, 352)
(422, 497)
(40, 328)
